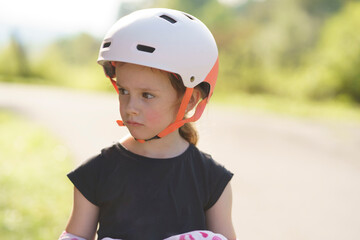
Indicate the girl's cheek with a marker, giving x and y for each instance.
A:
(153, 116)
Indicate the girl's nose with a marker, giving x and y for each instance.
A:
(132, 106)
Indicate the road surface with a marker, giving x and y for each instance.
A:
(294, 178)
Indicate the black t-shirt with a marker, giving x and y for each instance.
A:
(148, 198)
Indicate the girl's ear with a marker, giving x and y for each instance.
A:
(195, 97)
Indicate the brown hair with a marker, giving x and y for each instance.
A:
(188, 130)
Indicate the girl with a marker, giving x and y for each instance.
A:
(155, 183)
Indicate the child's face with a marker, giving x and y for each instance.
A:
(148, 101)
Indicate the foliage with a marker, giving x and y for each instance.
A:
(80, 50)
(14, 60)
(333, 68)
(72, 62)
(68, 62)
(34, 201)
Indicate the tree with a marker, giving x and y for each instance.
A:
(79, 49)
(333, 69)
(13, 59)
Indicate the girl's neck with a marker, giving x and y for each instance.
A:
(170, 146)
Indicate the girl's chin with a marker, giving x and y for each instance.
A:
(141, 133)
(141, 136)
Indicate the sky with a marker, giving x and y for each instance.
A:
(39, 21)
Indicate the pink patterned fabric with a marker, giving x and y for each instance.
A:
(68, 236)
(194, 235)
(198, 235)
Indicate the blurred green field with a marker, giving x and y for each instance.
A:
(35, 196)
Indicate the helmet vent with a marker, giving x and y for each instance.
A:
(145, 48)
(106, 45)
(169, 19)
(189, 16)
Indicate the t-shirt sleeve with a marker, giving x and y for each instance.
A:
(86, 178)
(218, 177)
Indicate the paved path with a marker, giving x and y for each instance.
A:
(294, 179)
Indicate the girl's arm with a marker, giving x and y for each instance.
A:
(218, 217)
(84, 217)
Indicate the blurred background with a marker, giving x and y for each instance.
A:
(297, 59)
(286, 51)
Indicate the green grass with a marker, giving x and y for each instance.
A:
(329, 111)
(35, 196)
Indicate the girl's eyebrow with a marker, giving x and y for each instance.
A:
(149, 90)
(145, 89)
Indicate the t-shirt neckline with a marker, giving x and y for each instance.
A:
(138, 156)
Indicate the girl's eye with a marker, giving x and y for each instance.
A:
(148, 95)
(123, 91)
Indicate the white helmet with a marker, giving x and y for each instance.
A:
(165, 39)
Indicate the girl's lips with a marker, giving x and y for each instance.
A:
(132, 123)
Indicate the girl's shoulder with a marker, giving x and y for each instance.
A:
(104, 158)
(203, 157)
(210, 174)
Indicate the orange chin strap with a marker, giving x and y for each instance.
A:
(179, 121)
